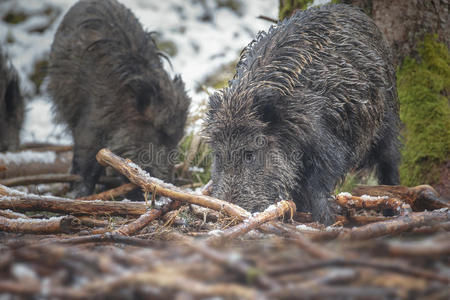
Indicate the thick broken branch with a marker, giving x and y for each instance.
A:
(27, 163)
(369, 202)
(398, 225)
(64, 224)
(139, 177)
(420, 198)
(19, 201)
(39, 179)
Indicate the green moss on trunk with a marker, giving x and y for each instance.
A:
(287, 7)
(423, 90)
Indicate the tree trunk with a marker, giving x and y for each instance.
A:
(405, 22)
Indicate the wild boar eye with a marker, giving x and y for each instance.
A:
(249, 156)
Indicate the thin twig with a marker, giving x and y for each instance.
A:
(112, 193)
(146, 218)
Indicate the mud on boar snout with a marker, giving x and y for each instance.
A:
(319, 89)
(108, 85)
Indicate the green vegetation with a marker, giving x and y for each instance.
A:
(287, 7)
(423, 90)
(39, 73)
(195, 160)
(356, 178)
(168, 47)
(219, 78)
(15, 17)
(235, 5)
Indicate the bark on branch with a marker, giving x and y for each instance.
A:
(19, 201)
(146, 218)
(65, 224)
(398, 225)
(272, 213)
(420, 197)
(139, 177)
(112, 193)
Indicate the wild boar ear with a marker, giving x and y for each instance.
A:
(268, 112)
(145, 93)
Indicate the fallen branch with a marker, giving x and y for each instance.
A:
(33, 289)
(64, 224)
(103, 238)
(390, 266)
(146, 218)
(398, 225)
(303, 242)
(427, 248)
(92, 222)
(112, 193)
(232, 263)
(39, 179)
(296, 291)
(363, 220)
(12, 215)
(272, 213)
(420, 198)
(26, 163)
(370, 202)
(170, 281)
(139, 177)
(445, 226)
(53, 178)
(19, 201)
(42, 147)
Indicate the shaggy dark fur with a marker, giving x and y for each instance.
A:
(12, 105)
(312, 99)
(109, 86)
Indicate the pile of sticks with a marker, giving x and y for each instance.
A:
(394, 243)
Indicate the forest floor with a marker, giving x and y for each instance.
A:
(387, 242)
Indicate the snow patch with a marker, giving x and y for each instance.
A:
(373, 198)
(215, 232)
(26, 157)
(344, 194)
(23, 272)
(306, 228)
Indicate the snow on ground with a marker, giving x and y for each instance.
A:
(203, 46)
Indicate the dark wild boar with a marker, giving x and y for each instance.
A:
(109, 87)
(12, 105)
(312, 99)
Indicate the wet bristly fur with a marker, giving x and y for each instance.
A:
(109, 87)
(12, 105)
(312, 99)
